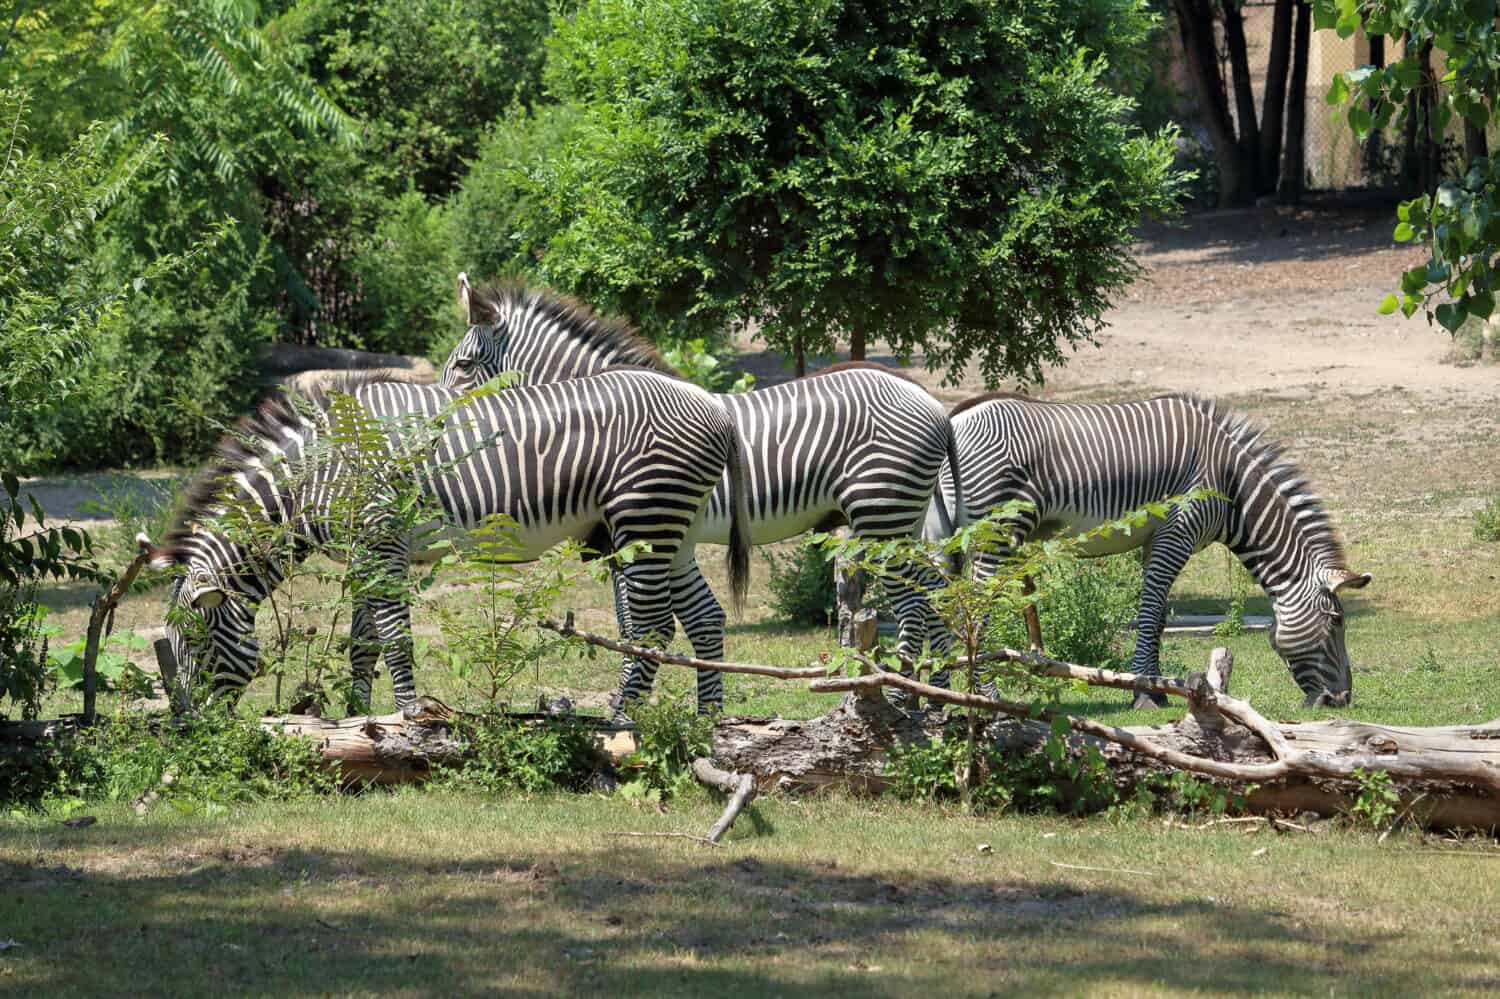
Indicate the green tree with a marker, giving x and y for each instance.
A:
(1459, 218)
(952, 177)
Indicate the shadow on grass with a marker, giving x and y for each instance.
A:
(627, 920)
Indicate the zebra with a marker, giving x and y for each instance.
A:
(627, 456)
(1081, 465)
(853, 444)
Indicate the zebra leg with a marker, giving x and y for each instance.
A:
(703, 620)
(364, 653)
(392, 617)
(1166, 553)
(910, 605)
(647, 620)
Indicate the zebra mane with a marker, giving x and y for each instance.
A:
(583, 324)
(1290, 481)
(281, 410)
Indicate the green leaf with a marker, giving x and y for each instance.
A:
(1388, 305)
(1480, 305)
(1450, 316)
(1404, 232)
(1338, 91)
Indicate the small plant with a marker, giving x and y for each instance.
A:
(113, 667)
(1428, 662)
(1487, 521)
(1086, 607)
(670, 734)
(135, 506)
(1240, 583)
(1376, 804)
(933, 771)
(510, 755)
(802, 587)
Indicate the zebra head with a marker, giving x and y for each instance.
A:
(1308, 632)
(211, 629)
(480, 355)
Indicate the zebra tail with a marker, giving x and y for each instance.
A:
(738, 557)
(950, 520)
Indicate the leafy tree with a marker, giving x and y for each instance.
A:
(1458, 219)
(950, 176)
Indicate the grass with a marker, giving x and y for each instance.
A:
(443, 894)
(421, 893)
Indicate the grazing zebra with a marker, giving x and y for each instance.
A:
(628, 456)
(854, 444)
(1082, 465)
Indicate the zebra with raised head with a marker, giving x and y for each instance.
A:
(1081, 465)
(854, 444)
(624, 457)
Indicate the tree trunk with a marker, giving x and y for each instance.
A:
(1273, 112)
(1374, 149)
(1248, 140)
(1195, 23)
(1432, 142)
(1476, 143)
(857, 342)
(799, 355)
(1293, 163)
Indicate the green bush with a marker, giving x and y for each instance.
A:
(214, 759)
(670, 735)
(406, 272)
(1086, 608)
(508, 755)
(1487, 521)
(802, 587)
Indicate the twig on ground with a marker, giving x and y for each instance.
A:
(1102, 870)
(666, 835)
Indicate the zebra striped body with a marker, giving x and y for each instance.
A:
(631, 456)
(1081, 465)
(853, 444)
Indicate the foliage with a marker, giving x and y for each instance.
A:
(508, 756)
(802, 586)
(1487, 521)
(113, 667)
(949, 177)
(1460, 221)
(984, 575)
(670, 734)
(702, 366)
(488, 644)
(1240, 583)
(1086, 608)
(1377, 802)
(405, 272)
(210, 760)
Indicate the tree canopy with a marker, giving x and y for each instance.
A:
(952, 177)
(1458, 218)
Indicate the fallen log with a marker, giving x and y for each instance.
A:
(1447, 776)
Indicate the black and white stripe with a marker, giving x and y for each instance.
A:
(853, 444)
(1081, 465)
(628, 456)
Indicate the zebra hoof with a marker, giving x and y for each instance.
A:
(1147, 702)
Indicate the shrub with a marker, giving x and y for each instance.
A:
(1086, 608)
(1487, 521)
(215, 758)
(802, 587)
(670, 735)
(508, 755)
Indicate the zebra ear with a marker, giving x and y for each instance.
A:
(207, 598)
(463, 298)
(1340, 579)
